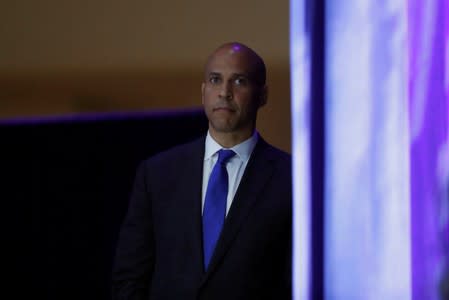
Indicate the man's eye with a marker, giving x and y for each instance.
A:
(214, 79)
(240, 81)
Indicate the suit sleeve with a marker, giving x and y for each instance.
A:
(134, 258)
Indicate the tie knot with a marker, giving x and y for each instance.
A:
(225, 155)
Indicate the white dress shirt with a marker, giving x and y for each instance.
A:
(235, 166)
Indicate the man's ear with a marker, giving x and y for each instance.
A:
(203, 86)
(263, 96)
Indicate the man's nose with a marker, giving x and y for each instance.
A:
(226, 90)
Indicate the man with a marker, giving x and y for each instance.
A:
(201, 229)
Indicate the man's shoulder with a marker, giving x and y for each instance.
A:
(273, 152)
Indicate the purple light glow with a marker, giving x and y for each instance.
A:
(429, 146)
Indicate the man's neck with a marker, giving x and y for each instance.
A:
(230, 139)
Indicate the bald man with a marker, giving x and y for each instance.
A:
(212, 219)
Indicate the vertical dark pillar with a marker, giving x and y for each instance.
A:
(316, 21)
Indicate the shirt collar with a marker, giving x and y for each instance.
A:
(243, 150)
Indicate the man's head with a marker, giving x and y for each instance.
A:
(233, 90)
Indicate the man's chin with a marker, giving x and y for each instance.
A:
(221, 127)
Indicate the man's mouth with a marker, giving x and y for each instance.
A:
(223, 108)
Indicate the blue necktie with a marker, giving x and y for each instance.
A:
(215, 204)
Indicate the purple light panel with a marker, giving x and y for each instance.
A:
(367, 206)
(300, 81)
(387, 149)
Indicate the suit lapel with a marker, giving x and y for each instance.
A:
(257, 174)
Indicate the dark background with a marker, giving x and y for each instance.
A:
(65, 190)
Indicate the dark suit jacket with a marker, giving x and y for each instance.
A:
(159, 253)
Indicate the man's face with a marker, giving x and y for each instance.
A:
(230, 94)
